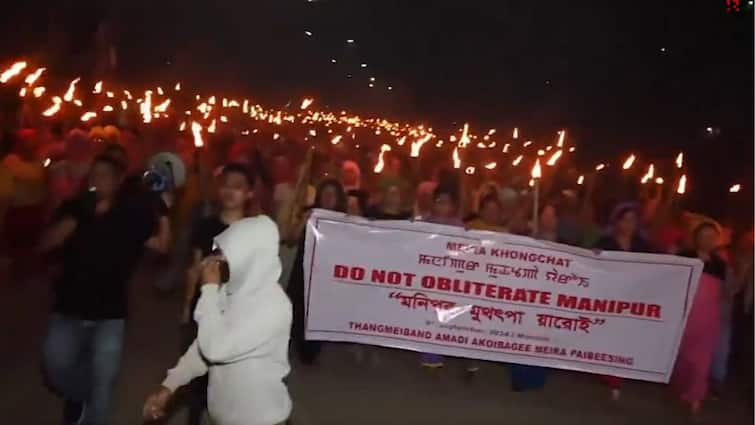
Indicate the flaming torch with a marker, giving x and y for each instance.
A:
(196, 131)
(11, 72)
(536, 174)
(381, 163)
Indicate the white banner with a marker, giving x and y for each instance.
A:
(492, 296)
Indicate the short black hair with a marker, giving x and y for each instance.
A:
(116, 152)
(238, 168)
(490, 197)
(117, 166)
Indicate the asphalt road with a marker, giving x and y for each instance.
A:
(385, 387)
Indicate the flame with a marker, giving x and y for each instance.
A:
(212, 126)
(561, 137)
(517, 160)
(124, 105)
(52, 110)
(22, 92)
(506, 147)
(246, 106)
(516, 133)
(491, 165)
(312, 132)
(572, 149)
(163, 106)
(491, 132)
(628, 163)
(224, 102)
(177, 87)
(401, 141)
(34, 76)
(682, 186)
(659, 180)
(223, 118)
(527, 143)
(97, 87)
(648, 175)
(306, 102)
(196, 131)
(417, 145)
(182, 127)
(581, 180)
(532, 182)
(381, 163)
(128, 95)
(469, 170)
(680, 160)
(211, 100)
(160, 91)
(276, 136)
(88, 116)
(11, 72)
(107, 108)
(456, 158)
(78, 103)
(335, 140)
(600, 167)
(540, 152)
(736, 188)
(145, 108)
(38, 91)
(47, 162)
(464, 140)
(71, 89)
(537, 172)
(556, 155)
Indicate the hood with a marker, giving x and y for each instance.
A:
(251, 248)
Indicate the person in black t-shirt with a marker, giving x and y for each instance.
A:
(102, 235)
(390, 207)
(236, 191)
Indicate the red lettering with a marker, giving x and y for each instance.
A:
(409, 277)
(340, 272)
(444, 284)
(394, 278)
(378, 276)
(623, 305)
(654, 310)
(428, 282)
(504, 293)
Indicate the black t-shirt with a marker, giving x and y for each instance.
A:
(715, 266)
(608, 243)
(378, 214)
(204, 233)
(202, 238)
(100, 257)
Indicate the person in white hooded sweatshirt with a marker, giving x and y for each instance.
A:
(243, 332)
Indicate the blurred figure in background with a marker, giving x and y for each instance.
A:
(701, 334)
(330, 196)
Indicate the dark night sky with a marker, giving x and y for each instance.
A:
(594, 67)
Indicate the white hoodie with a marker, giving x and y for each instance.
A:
(244, 329)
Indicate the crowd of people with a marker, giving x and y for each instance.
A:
(76, 198)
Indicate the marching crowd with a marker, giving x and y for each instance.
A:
(75, 201)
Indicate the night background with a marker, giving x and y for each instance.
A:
(645, 77)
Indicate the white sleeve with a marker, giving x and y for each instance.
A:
(190, 366)
(224, 341)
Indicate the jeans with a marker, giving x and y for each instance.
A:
(82, 359)
(720, 364)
